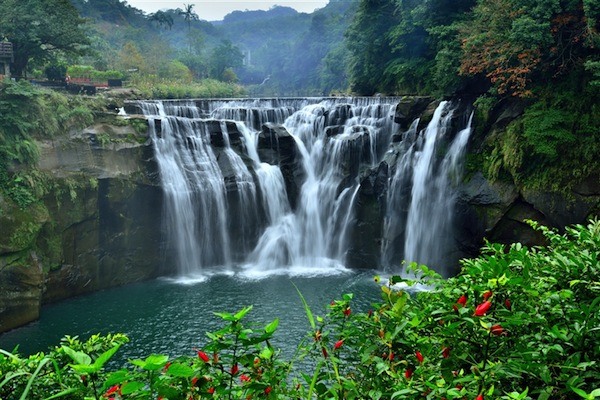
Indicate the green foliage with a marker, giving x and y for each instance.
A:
(41, 31)
(88, 71)
(548, 130)
(516, 323)
(554, 145)
(207, 88)
(26, 114)
(406, 46)
(517, 44)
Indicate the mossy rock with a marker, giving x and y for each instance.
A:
(20, 227)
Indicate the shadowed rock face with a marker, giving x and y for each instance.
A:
(98, 225)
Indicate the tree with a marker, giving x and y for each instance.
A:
(41, 30)
(189, 15)
(162, 19)
(512, 42)
(369, 46)
(130, 58)
(224, 56)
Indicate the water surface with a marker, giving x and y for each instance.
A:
(164, 316)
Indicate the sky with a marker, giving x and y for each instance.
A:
(214, 10)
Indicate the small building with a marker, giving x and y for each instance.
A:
(6, 58)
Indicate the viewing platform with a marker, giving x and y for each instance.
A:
(6, 57)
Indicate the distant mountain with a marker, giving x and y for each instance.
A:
(298, 52)
(257, 15)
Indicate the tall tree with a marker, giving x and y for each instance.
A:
(41, 30)
(367, 40)
(189, 15)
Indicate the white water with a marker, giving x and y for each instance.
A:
(423, 215)
(225, 207)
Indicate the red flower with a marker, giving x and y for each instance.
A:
(507, 304)
(446, 352)
(487, 295)
(483, 308)
(203, 356)
(234, 369)
(338, 344)
(245, 378)
(419, 356)
(211, 390)
(479, 397)
(268, 390)
(194, 381)
(166, 367)
(408, 373)
(347, 312)
(462, 300)
(112, 390)
(324, 351)
(497, 330)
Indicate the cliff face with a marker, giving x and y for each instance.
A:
(492, 209)
(99, 223)
(97, 226)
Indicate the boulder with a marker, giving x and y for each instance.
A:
(276, 146)
(410, 108)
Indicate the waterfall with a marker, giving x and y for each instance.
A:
(234, 201)
(421, 194)
(194, 188)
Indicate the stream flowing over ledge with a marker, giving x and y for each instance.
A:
(316, 183)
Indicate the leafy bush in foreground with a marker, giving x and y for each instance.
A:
(516, 323)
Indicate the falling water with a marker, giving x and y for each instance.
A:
(421, 198)
(224, 206)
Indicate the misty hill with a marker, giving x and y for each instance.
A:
(291, 52)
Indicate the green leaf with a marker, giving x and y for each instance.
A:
(309, 314)
(131, 387)
(32, 378)
(77, 356)
(266, 353)
(117, 378)
(153, 362)
(242, 313)
(272, 327)
(225, 316)
(180, 370)
(63, 393)
(580, 392)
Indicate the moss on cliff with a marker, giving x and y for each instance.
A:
(553, 144)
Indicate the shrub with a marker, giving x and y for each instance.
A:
(516, 323)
